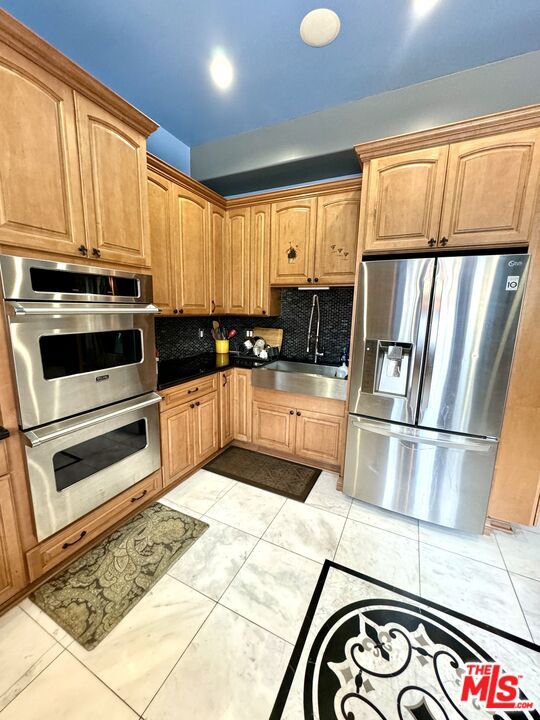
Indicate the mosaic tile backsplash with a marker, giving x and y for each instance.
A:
(179, 337)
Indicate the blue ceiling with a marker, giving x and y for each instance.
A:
(156, 52)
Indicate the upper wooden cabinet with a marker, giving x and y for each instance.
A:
(314, 240)
(41, 204)
(160, 210)
(113, 169)
(404, 199)
(191, 249)
(73, 160)
(471, 193)
(336, 238)
(490, 190)
(218, 251)
(293, 241)
(239, 260)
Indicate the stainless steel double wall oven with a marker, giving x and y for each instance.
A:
(83, 348)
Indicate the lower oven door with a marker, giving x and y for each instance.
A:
(73, 357)
(76, 465)
(439, 477)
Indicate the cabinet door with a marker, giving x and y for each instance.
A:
(337, 238)
(262, 299)
(490, 190)
(177, 451)
(163, 276)
(274, 426)
(318, 437)
(11, 563)
(293, 241)
(238, 231)
(404, 200)
(219, 260)
(114, 175)
(226, 408)
(191, 247)
(206, 427)
(242, 400)
(41, 205)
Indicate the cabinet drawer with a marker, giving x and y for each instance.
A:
(44, 557)
(188, 391)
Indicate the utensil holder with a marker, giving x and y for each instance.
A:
(222, 347)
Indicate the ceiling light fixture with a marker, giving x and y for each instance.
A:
(320, 27)
(221, 71)
(423, 7)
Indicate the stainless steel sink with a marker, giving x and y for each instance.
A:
(303, 378)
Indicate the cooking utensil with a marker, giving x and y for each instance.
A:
(232, 333)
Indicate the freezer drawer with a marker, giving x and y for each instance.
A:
(438, 477)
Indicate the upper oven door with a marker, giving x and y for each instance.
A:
(71, 358)
(44, 280)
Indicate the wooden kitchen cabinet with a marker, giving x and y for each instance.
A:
(226, 407)
(242, 393)
(219, 252)
(113, 171)
(189, 429)
(40, 186)
(318, 437)
(336, 238)
(293, 241)
(177, 446)
(274, 426)
(191, 251)
(239, 260)
(475, 193)
(163, 274)
(404, 200)
(491, 186)
(263, 300)
(300, 426)
(206, 424)
(12, 575)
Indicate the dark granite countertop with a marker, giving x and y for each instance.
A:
(174, 372)
(3, 433)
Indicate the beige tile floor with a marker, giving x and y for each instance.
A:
(213, 637)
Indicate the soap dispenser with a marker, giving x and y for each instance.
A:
(343, 371)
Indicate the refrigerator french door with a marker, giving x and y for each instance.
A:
(434, 342)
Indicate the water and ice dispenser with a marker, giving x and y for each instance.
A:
(387, 367)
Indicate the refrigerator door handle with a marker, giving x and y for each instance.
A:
(454, 441)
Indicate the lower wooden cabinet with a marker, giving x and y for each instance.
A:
(226, 408)
(242, 394)
(309, 428)
(189, 434)
(318, 436)
(206, 426)
(274, 426)
(12, 576)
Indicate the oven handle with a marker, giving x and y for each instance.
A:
(19, 308)
(36, 437)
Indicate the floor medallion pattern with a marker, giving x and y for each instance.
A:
(391, 654)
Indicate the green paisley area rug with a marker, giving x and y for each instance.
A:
(93, 594)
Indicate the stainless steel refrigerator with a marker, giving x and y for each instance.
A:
(434, 341)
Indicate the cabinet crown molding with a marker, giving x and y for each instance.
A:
(171, 173)
(19, 37)
(494, 124)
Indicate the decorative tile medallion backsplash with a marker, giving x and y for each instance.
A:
(179, 337)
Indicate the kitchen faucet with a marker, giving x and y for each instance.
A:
(316, 353)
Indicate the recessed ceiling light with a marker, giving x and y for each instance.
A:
(221, 70)
(423, 7)
(320, 27)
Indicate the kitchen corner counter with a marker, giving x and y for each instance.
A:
(176, 372)
(3, 433)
